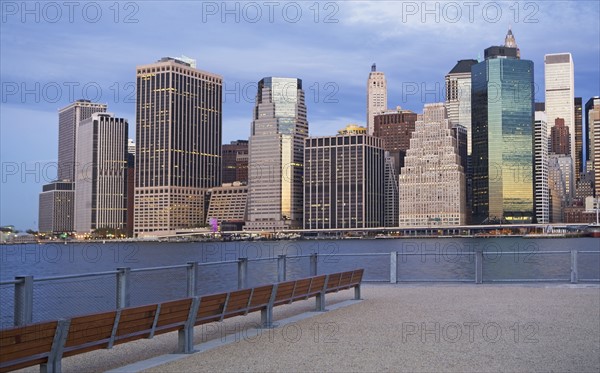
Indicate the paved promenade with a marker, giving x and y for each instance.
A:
(399, 328)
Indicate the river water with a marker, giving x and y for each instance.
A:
(440, 259)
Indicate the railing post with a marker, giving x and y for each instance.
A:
(393, 267)
(242, 273)
(478, 266)
(123, 287)
(281, 268)
(23, 300)
(192, 269)
(313, 264)
(574, 269)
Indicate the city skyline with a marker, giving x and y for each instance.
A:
(341, 54)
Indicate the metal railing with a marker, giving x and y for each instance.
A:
(24, 285)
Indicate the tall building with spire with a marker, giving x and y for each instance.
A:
(178, 144)
(559, 78)
(502, 107)
(432, 182)
(511, 42)
(276, 155)
(376, 97)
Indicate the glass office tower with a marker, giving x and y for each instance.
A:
(276, 155)
(502, 119)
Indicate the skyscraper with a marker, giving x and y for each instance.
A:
(560, 138)
(376, 96)
(458, 96)
(594, 122)
(560, 93)
(588, 132)
(276, 155)
(178, 144)
(432, 182)
(578, 127)
(69, 118)
(101, 174)
(395, 128)
(57, 200)
(502, 120)
(344, 181)
(540, 149)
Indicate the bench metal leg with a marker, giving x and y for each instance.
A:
(266, 317)
(185, 341)
(185, 336)
(357, 292)
(320, 302)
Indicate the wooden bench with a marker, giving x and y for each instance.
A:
(29, 345)
(47, 343)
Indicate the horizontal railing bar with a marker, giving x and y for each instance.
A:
(159, 268)
(216, 263)
(65, 277)
(356, 254)
(10, 282)
(589, 279)
(434, 280)
(530, 280)
(588, 252)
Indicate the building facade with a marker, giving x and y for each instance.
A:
(344, 182)
(502, 120)
(228, 204)
(594, 117)
(458, 96)
(578, 127)
(395, 128)
(432, 182)
(56, 203)
(101, 174)
(588, 132)
(560, 138)
(276, 155)
(69, 118)
(178, 144)
(559, 79)
(391, 196)
(376, 97)
(235, 161)
(540, 149)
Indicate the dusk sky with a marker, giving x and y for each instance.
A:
(52, 54)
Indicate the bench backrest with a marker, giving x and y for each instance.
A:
(26, 346)
(89, 332)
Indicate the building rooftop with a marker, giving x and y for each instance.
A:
(463, 66)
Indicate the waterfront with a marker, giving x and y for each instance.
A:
(418, 260)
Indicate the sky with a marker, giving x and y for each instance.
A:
(52, 53)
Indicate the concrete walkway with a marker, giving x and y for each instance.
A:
(399, 328)
(429, 329)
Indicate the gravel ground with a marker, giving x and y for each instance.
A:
(399, 328)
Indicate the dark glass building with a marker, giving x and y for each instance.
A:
(502, 122)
